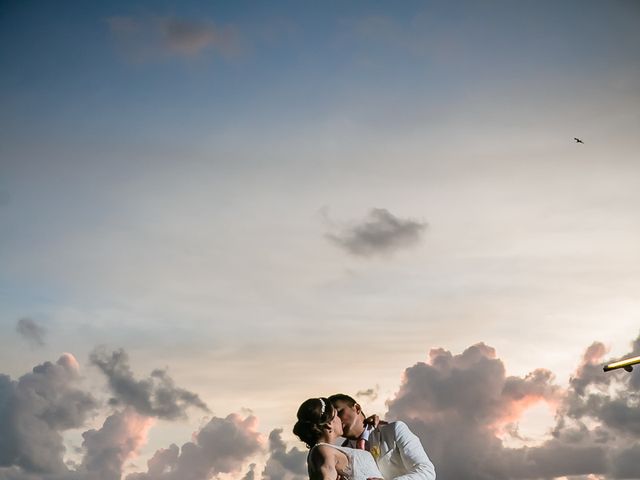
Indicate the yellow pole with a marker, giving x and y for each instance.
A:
(626, 364)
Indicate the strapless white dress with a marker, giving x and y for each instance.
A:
(361, 463)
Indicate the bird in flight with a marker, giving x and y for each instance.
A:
(578, 140)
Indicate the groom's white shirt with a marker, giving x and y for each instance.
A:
(402, 456)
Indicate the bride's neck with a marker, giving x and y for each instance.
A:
(328, 437)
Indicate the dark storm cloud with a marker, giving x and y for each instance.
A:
(282, 464)
(221, 446)
(156, 396)
(458, 404)
(151, 38)
(379, 233)
(31, 331)
(33, 413)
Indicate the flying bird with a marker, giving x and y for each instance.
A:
(578, 140)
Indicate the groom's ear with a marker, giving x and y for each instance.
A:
(357, 407)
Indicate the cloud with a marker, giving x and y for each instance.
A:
(462, 406)
(156, 396)
(154, 38)
(590, 370)
(612, 398)
(251, 473)
(31, 331)
(627, 463)
(370, 393)
(35, 409)
(379, 233)
(40, 405)
(190, 38)
(107, 449)
(281, 465)
(222, 446)
(634, 379)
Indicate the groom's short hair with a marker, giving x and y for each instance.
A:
(341, 397)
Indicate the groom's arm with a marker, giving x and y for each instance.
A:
(415, 460)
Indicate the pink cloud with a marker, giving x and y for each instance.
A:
(118, 441)
(222, 446)
(461, 404)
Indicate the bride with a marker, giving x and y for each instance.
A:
(319, 427)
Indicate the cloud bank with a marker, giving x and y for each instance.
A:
(462, 406)
(221, 446)
(36, 409)
(40, 406)
(459, 405)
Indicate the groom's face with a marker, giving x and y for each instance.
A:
(351, 418)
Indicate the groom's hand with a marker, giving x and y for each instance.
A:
(374, 421)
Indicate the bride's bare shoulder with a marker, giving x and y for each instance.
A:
(322, 451)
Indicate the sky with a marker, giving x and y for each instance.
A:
(212, 211)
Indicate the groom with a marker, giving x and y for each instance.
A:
(397, 450)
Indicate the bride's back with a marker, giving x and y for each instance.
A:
(351, 464)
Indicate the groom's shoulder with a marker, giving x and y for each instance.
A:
(392, 425)
(389, 427)
(394, 428)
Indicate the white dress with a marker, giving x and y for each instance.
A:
(361, 463)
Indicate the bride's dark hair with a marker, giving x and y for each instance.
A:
(314, 415)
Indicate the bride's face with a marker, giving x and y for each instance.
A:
(336, 423)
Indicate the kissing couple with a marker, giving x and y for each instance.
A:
(372, 450)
